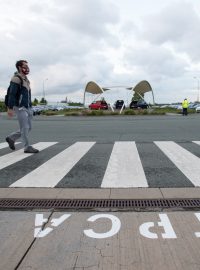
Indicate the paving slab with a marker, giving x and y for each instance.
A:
(136, 193)
(85, 193)
(27, 193)
(4, 192)
(181, 192)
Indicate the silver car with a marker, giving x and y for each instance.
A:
(198, 109)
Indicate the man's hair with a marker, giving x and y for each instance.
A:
(20, 63)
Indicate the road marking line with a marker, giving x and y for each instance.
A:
(124, 167)
(52, 171)
(5, 144)
(197, 142)
(185, 161)
(19, 155)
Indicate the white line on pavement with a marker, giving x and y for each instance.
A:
(185, 161)
(5, 144)
(52, 171)
(197, 142)
(124, 167)
(16, 156)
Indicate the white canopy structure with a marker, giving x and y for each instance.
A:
(141, 88)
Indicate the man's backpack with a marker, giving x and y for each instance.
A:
(8, 91)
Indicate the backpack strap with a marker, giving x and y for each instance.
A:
(21, 84)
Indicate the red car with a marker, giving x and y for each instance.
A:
(99, 105)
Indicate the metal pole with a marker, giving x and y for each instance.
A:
(43, 91)
(84, 100)
(197, 88)
(44, 87)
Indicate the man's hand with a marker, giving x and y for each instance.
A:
(10, 112)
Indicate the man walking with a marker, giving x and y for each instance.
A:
(185, 105)
(19, 102)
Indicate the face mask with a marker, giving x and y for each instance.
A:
(25, 70)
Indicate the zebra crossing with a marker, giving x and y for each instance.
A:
(19, 155)
(121, 164)
(56, 168)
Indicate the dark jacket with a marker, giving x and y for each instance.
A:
(20, 94)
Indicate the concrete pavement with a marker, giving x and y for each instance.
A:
(94, 240)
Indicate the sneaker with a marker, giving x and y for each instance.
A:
(11, 143)
(31, 150)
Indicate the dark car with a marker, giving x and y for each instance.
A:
(138, 104)
(119, 104)
(99, 105)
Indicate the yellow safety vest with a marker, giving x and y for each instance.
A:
(185, 104)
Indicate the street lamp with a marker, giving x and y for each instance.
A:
(197, 88)
(44, 87)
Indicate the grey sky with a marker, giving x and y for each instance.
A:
(112, 42)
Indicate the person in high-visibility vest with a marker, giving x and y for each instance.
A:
(185, 105)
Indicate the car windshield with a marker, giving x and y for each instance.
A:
(141, 102)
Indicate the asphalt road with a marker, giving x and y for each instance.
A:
(108, 129)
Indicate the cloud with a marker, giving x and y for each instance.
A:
(110, 42)
(177, 24)
(62, 40)
(156, 61)
(89, 18)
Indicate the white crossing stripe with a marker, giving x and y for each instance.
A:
(186, 162)
(5, 144)
(124, 167)
(16, 156)
(197, 142)
(52, 171)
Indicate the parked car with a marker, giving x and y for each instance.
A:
(119, 104)
(198, 109)
(138, 104)
(99, 105)
(179, 107)
(37, 110)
